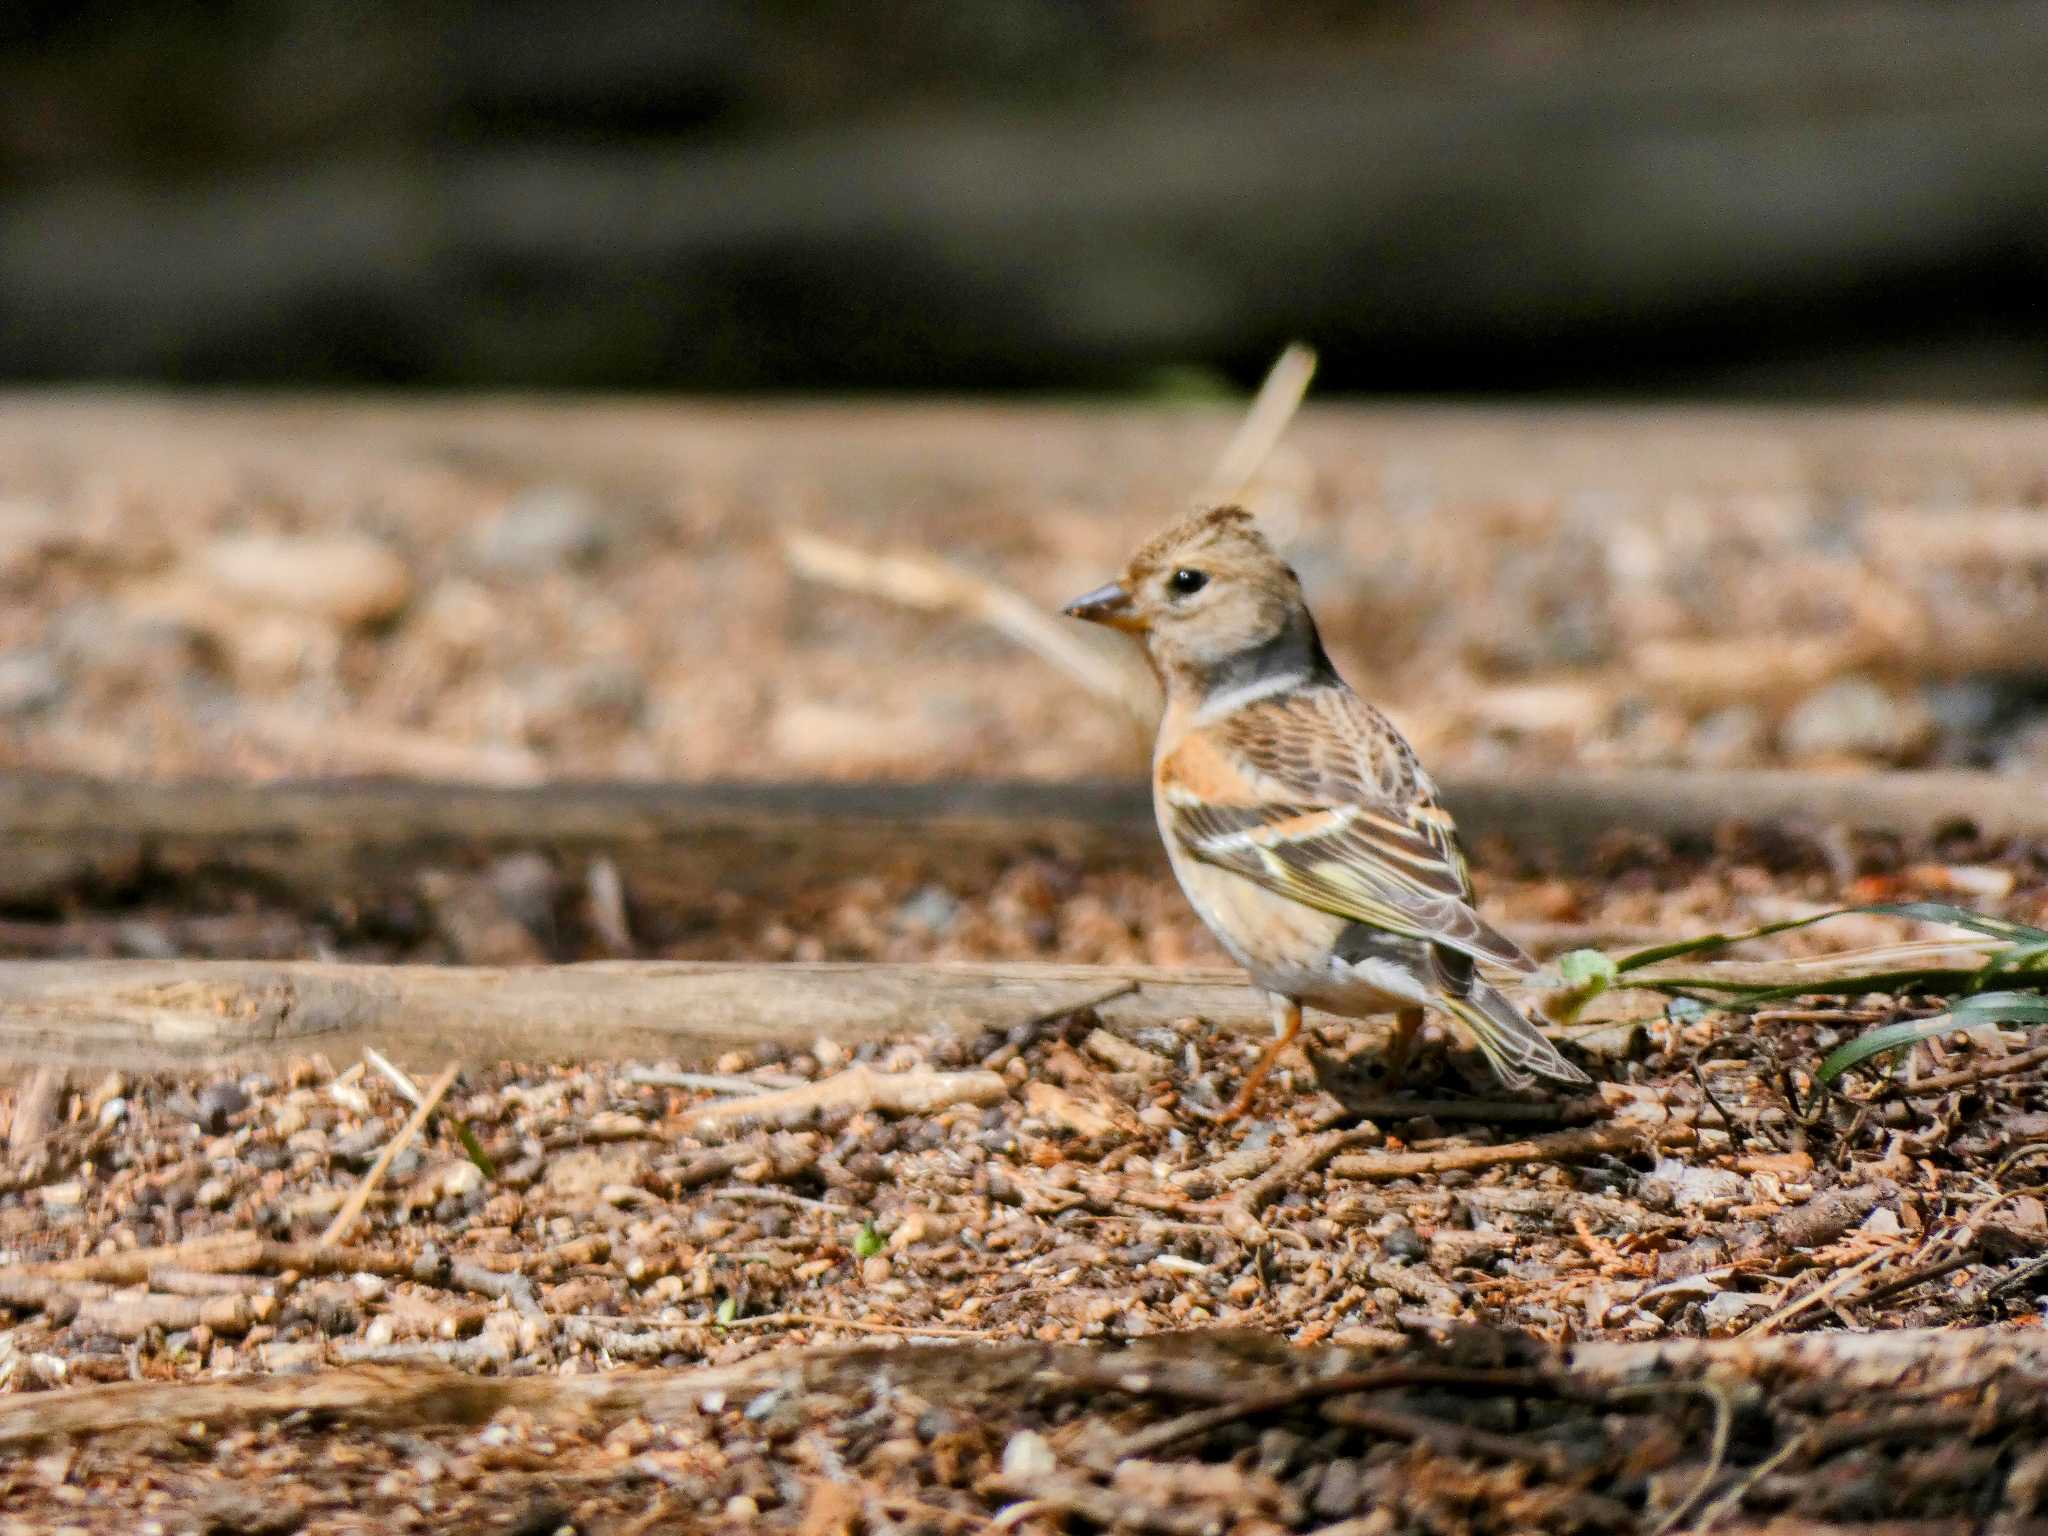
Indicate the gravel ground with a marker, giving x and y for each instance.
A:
(509, 591)
(513, 591)
(1061, 1186)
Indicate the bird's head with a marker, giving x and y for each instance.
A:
(1206, 590)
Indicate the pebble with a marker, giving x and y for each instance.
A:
(910, 1231)
(1854, 717)
(112, 1086)
(29, 681)
(504, 1209)
(218, 1104)
(543, 528)
(1720, 1313)
(1028, 1456)
(606, 690)
(1341, 1488)
(584, 1173)
(2025, 751)
(28, 532)
(117, 645)
(1735, 737)
(359, 1146)
(1697, 1188)
(347, 579)
(1404, 1243)
(931, 908)
(1965, 711)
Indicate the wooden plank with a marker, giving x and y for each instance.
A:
(315, 840)
(146, 1015)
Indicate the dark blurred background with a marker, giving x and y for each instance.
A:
(1827, 199)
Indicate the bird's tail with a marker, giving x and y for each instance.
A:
(1519, 1051)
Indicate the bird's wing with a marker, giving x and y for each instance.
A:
(1315, 795)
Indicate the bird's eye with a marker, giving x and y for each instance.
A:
(1184, 581)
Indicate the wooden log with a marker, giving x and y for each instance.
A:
(1190, 1366)
(309, 842)
(161, 1015)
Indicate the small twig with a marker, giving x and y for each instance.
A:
(464, 1275)
(360, 1196)
(704, 1082)
(1104, 663)
(1251, 1405)
(173, 1281)
(1717, 1450)
(1279, 397)
(1563, 1147)
(1726, 1504)
(1815, 1297)
(1735, 1135)
(2024, 1275)
(207, 1265)
(1021, 1037)
(777, 1197)
(857, 1090)
(1890, 1288)
(606, 892)
(1448, 1438)
(1120, 1055)
(36, 1104)
(1983, 1072)
(394, 1074)
(777, 1320)
(781, 1156)
(1242, 1215)
(1479, 1111)
(129, 1316)
(857, 1324)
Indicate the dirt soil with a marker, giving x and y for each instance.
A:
(513, 590)
(1074, 1191)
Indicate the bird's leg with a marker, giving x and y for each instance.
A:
(1407, 1025)
(1286, 1025)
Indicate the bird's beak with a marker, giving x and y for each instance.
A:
(1109, 604)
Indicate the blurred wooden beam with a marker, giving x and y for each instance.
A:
(1538, 206)
(321, 840)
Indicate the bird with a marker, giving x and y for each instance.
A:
(1298, 819)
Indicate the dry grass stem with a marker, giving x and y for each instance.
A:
(360, 1195)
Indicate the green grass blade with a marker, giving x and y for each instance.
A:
(2000, 1008)
(1960, 917)
(1920, 911)
(2019, 960)
(1939, 981)
(474, 1150)
(1983, 1011)
(1679, 948)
